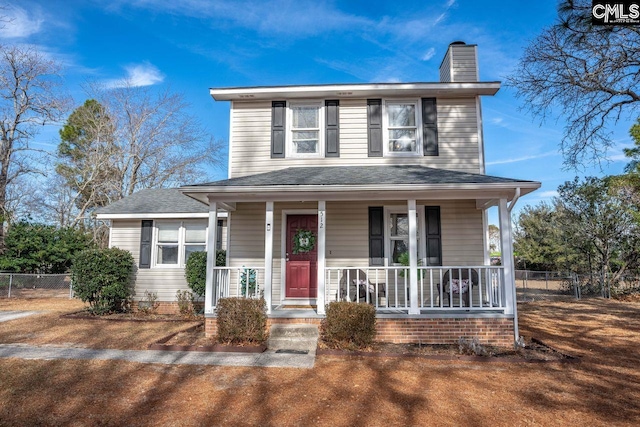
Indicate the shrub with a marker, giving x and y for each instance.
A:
(149, 303)
(221, 258)
(196, 272)
(103, 278)
(349, 325)
(242, 320)
(185, 303)
(472, 347)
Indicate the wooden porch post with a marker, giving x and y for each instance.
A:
(320, 298)
(212, 232)
(268, 256)
(506, 243)
(414, 307)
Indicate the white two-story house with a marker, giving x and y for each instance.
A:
(375, 193)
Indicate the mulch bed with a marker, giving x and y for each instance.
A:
(130, 317)
(535, 352)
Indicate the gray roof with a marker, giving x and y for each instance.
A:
(359, 175)
(155, 200)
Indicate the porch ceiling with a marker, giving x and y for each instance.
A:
(360, 183)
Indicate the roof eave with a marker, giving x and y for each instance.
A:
(360, 192)
(355, 91)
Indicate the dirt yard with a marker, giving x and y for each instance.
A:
(602, 390)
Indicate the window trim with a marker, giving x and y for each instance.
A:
(182, 232)
(398, 209)
(385, 128)
(290, 152)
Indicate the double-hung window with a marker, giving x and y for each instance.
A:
(176, 240)
(397, 235)
(305, 129)
(402, 122)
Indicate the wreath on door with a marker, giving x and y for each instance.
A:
(303, 241)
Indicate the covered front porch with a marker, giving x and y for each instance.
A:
(414, 246)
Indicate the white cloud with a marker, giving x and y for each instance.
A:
(521, 159)
(547, 194)
(429, 54)
(18, 24)
(451, 3)
(144, 74)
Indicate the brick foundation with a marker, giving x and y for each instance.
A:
(445, 331)
(166, 307)
(493, 331)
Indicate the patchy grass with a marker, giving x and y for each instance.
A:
(604, 389)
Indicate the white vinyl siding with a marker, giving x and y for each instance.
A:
(463, 65)
(347, 238)
(125, 234)
(251, 143)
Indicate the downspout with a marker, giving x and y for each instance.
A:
(516, 331)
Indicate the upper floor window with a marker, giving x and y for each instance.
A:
(401, 121)
(305, 129)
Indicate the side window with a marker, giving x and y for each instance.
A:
(176, 240)
(168, 243)
(195, 239)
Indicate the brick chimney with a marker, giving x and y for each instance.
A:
(460, 64)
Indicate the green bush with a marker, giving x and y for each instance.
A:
(195, 270)
(221, 258)
(103, 278)
(40, 248)
(349, 325)
(242, 320)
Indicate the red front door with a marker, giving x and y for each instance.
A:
(302, 268)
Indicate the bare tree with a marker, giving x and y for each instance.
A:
(126, 139)
(584, 73)
(29, 99)
(158, 143)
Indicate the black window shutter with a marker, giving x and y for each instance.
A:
(332, 131)
(434, 235)
(376, 235)
(429, 127)
(278, 129)
(146, 233)
(374, 127)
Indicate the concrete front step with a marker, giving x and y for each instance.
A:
(293, 337)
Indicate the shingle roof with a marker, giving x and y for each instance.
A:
(359, 175)
(155, 200)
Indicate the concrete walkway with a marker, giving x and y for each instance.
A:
(268, 359)
(5, 316)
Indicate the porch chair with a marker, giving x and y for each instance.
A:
(359, 286)
(456, 282)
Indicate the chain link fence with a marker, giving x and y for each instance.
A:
(15, 285)
(556, 285)
(545, 285)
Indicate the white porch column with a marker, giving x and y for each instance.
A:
(268, 256)
(414, 307)
(212, 232)
(506, 246)
(320, 298)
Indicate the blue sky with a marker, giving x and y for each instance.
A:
(192, 45)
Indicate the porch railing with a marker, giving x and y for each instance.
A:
(387, 288)
(237, 281)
